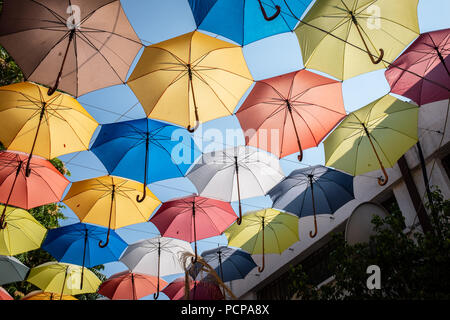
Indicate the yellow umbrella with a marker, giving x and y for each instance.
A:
(264, 231)
(63, 278)
(21, 232)
(41, 295)
(47, 126)
(110, 201)
(345, 38)
(373, 137)
(190, 79)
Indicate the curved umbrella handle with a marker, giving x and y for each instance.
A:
(383, 180)
(311, 234)
(103, 245)
(239, 220)
(265, 14)
(144, 195)
(300, 156)
(156, 295)
(192, 129)
(3, 223)
(261, 268)
(380, 58)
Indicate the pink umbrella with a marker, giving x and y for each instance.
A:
(4, 295)
(199, 290)
(300, 107)
(193, 218)
(421, 73)
(129, 286)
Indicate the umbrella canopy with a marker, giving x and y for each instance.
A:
(20, 233)
(373, 137)
(235, 173)
(194, 78)
(130, 286)
(193, 218)
(41, 295)
(346, 38)
(111, 202)
(44, 185)
(4, 295)
(158, 257)
(308, 191)
(264, 231)
(63, 278)
(12, 270)
(198, 290)
(144, 150)
(48, 126)
(230, 264)
(77, 244)
(75, 46)
(300, 107)
(421, 73)
(246, 21)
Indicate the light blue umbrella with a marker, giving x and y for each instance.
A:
(12, 270)
(311, 191)
(145, 150)
(246, 21)
(78, 244)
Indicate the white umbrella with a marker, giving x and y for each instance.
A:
(12, 270)
(236, 173)
(158, 256)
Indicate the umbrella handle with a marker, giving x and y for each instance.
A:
(371, 56)
(261, 268)
(103, 245)
(3, 223)
(311, 234)
(192, 129)
(265, 14)
(144, 195)
(300, 156)
(383, 180)
(156, 295)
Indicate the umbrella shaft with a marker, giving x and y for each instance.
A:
(442, 60)
(2, 218)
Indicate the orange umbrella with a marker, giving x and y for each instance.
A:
(291, 112)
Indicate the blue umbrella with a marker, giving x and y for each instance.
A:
(145, 150)
(246, 21)
(78, 244)
(317, 189)
(230, 264)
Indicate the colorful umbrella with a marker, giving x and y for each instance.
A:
(313, 190)
(193, 218)
(235, 173)
(300, 107)
(264, 231)
(44, 185)
(198, 290)
(41, 295)
(20, 232)
(144, 150)
(63, 278)
(421, 73)
(75, 46)
(230, 264)
(77, 244)
(373, 137)
(346, 38)
(193, 78)
(49, 126)
(12, 270)
(158, 257)
(4, 295)
(130, 286)
(111, 202)
(246, 21)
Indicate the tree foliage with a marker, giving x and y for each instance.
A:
(413, 265)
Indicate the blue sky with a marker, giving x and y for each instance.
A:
(155, 21)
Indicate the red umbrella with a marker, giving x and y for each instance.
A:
(421, 73)
(198, 290)
(300, 107)
(193, 218)
(44, 185)
(4, 295)
(129, 286)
